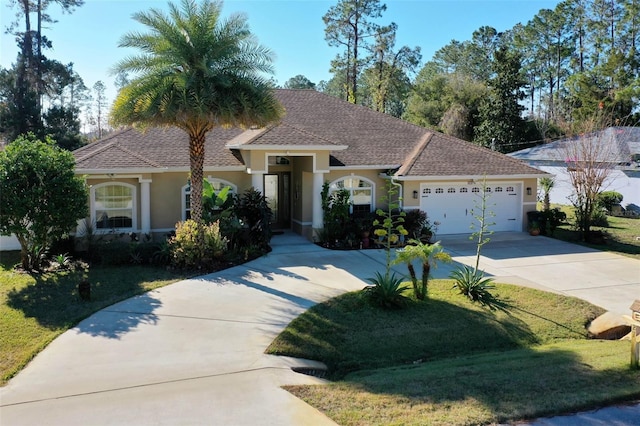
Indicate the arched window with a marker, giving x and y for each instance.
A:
(439, 191)
(463, 190)
(360, 190)
(451, 191)
(113, 206)
(218, 185)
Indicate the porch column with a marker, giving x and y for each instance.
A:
(317, 217)
(145, 206)
(257, 181)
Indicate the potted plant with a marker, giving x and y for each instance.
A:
(534, 228)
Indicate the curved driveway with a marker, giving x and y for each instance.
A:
(192, 352)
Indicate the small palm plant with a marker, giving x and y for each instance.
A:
(428, 255)
(546, 184)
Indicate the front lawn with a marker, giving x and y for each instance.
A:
(34, 309)
(448, 361)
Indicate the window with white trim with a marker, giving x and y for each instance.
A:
(475, 189)
(509, 188)
(113, 206)
(498, 189)
(218, 185)
(426, 191)
(360, 190)
(451, 191)
(439, 190)
(463, 190)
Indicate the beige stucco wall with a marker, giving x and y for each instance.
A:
(166, 190)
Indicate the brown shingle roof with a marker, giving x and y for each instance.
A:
(447, 156)
(164, 147)
(312, 119)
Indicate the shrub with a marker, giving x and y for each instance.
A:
(255, 214)
(335, 207)
(387, 291)
(414, 222)
(550, 220)
(608, 199)
(599, 218)
(42, 198)
(473, 284)
(187, 253)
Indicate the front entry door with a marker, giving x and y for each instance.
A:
(277, 190)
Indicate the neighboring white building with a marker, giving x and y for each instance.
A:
(621, 153)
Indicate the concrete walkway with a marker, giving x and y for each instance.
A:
(192, 352)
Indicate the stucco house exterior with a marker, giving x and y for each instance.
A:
(139, 181)
(618, 150)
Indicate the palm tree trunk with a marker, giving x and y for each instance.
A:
(196, 157)
(414, 279)
(426, 268)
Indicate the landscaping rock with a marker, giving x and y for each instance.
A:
(609, 326)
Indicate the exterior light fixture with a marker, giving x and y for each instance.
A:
(415, 194)
(528, 190)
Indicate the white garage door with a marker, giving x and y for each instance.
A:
(454, 206)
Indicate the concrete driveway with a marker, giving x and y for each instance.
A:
(192, 352)
(605, 279)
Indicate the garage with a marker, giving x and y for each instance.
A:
(452, 206)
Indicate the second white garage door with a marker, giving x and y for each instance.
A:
(454, 206)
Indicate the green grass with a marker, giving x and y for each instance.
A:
(34, 309)
(489, 388)
(447, 361)
(621, 234)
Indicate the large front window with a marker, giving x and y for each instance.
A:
(113, 206)
(360, 193)
(218, 185)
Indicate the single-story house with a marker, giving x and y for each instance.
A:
(139, 181)
(618, 150)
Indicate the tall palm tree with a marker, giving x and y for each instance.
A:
(196, 72)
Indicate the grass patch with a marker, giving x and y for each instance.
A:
(621, 234)
(447, 361)
(348, 334)
(36, 308)
(488, 388)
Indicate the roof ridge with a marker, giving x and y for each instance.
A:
(97, 151)
(138, 156)
(310, 133)
(415, 153)
(116, 144)
(103, 140)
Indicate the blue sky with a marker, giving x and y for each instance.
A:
(293, 29)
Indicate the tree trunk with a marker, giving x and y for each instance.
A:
(414, 279)
(426, 269)
(196, 157)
